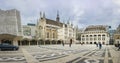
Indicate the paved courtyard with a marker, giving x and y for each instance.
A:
(61, 54)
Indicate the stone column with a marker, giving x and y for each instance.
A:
(85, 39)
(44, 42)
(97, 38)
(81, 38)
(93, 38)
(29, 42)
(101, 38)
(37, 42)
(15, 42)
(20, 43)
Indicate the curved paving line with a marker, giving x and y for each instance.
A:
(51, 58)
(73, 60)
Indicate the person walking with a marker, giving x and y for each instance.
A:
(62, 43)
(97, 44)
(118, 46)
(100, 45)
(70, 43)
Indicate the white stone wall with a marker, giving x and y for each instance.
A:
(10, 22)
(86, 37)
(68, 33)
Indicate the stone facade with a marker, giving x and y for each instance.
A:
(10, 26)
(54, 31)
(94, 34)
(117, 35)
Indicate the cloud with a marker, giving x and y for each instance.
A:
(80, 12)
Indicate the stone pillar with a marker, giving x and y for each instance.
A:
(56, 42)
(20, 43)
(44, 42)
(15, 42)
(85, 39)
(37, 42)
(81, 38)
(29, 42)
(92, 39)
(101, 38)
(97, 38)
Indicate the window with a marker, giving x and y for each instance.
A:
(47, 34)
(53, 35)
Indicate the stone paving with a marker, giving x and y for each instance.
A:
(61, 54)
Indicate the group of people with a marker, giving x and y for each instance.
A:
(69, 43)
(99, 45)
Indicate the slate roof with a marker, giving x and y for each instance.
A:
(52, 22)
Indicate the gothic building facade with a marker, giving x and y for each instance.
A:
(53, 31)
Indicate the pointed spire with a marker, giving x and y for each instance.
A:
(71, 23)
(44, 15)
(68, 22)
(57, 18)
(40, 14)
(57, 13)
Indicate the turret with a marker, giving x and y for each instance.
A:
(57, 18)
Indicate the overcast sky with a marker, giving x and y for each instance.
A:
(79, 12)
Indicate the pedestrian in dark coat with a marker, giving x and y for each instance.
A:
(100, 45)
(70, 42)
(118, 46)
(62, 43)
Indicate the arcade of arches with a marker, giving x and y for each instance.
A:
(38, 42)
(17, 40)
(10, 39)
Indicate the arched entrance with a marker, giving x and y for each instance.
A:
(40, 42)
(58, 42)
(53, 42)
(33, 42)
(94, 42)
(103, 42)
(47, 42)
(87, 43)
(90, 42)
(25, 42)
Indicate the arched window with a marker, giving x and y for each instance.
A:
(103, 35)
(53, 35)
(99, 35)
(83, 36)
(86, 35)
(90, 35)
(47, 34)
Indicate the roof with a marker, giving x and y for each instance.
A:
(96, 27)
(52, 22)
